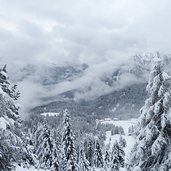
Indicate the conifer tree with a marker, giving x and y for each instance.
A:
(63, 162)
(68, 144)
(117, 158)
(56, 152)
(29, 157)
(89, 146)
(107, 159)
(55, 158)
(45, 148)
(98, 157)
(10, 133)
(36, 135)
(83, 163)
(152, 148)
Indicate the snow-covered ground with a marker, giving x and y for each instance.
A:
(110, 139)
(49, 114)
(124, 123)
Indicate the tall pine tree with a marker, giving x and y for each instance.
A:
(83, 163)
(152, 147)
(89, 145)
(68, 144)
(10, 133)
(98, 157)
(107, 159)
(117, 158)
(45, 148)
(55, 158)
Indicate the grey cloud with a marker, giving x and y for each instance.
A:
(70, 29)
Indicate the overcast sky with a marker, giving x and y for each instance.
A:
(100, 33)
(82, 31)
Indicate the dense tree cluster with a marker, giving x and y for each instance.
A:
(151, 151)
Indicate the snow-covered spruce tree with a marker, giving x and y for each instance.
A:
(153, 143)
(45, 148)
(56, 152)
(63, 162)
(6, 85)
(117, 158)
(36, 135)
(68, 144)
(98, 157)
(29, 157)
(55, 158)
(83, 163)
(89, 145)
(10, 133)
(107, 159)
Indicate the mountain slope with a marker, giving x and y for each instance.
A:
(117, 92)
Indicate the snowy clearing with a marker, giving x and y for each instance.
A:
(110, 139)
(49, 114)
(124, 123)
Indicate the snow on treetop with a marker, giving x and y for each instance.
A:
(3, 73)
(3, 123)
(2, 92)
(169, 115)
(165, 76)
(157, 59)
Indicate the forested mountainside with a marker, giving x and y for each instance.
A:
(120, 93)
(123, 104)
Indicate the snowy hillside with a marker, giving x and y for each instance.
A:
(126, 124)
